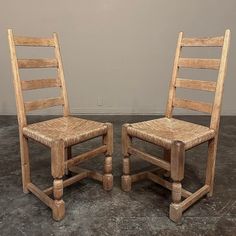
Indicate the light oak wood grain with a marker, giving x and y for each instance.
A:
(172, 90)
(196, 84)
(37, 63)
(85, 156)
(149, 158)
(60, 72)
(43, 103)
(203, 42)
(32, 41)
(193, 105)
(197, 63)
(40, 84)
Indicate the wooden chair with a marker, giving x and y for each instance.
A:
(177, 136)
(59, 134)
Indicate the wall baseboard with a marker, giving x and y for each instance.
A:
(128, 111)
(113, 111)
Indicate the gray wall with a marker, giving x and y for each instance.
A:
(117, 54)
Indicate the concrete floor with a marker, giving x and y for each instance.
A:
(91, 211)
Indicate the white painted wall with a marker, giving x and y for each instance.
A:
(117, 54)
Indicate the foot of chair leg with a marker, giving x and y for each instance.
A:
(107, 182)
(210, 194)
(175, 212)
(25, 190)
(58, 211)
(126, 183)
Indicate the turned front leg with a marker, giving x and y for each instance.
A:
(177, 175)
(108, 141)
(126, 142)
(57, 169)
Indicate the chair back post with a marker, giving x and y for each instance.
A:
(215, 116)
(21, 114)
(66, 109)
(169, 108)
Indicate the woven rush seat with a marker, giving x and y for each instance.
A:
(71, 130)
(164, 131)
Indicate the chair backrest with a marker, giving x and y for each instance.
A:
(23, 85)
(197, 63)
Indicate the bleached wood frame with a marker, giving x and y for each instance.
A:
(61, 157)
(174, 159)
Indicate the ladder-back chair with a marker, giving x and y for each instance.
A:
(59, 134)
(176, 136)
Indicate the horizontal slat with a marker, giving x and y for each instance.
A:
(203, 42)
(68, 182)
(196, 84)
(85, 156)
(37, 63)
(197, 63)
(90, 173)
(194, 197)
(40, 195)
(95, 175)
(193, 105)
(149, 158)
(143, 175)
(43, 103)
(30, 41)
(139, 176)
(40, 83)
(166, 184)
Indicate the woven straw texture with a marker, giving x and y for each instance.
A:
(164, 131)
(71, 130)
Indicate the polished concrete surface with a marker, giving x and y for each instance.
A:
(92, 211)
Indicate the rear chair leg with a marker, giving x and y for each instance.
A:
(167, 158)
(126, 142)
(57, 169)
(177, 174)
(210, 171)
(68, 156)
(108, 177)
(25, 165)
